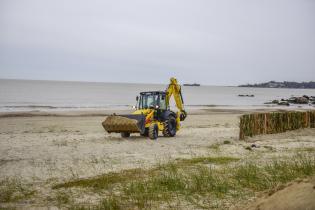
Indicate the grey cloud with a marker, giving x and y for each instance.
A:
(222, 42)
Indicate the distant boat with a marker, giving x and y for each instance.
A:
(241, 95)
(194, 84)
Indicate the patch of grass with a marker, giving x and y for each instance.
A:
(226, 142)
(268, 147)
(250, 175)
(110, 203)
(253, 176)
(167, 182)
(7, 208)
(215, 146)
(207, 160)
(305, 149)
(248, 148)
(62, 198)
(12, 189)
(60, 143)
(104, 181)
(169, 179)
(141, 194)
(207, 180)
(197, 184)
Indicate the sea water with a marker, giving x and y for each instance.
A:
(30, 95)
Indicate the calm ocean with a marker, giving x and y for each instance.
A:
(26, 95)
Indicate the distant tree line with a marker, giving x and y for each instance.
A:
(285, 84)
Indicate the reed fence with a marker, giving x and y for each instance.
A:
(275, 122)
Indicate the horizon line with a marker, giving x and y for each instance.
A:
(82, 81)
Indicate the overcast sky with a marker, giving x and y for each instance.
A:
(215, 42)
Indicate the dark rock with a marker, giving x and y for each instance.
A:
(255, 146)
(292, 99)
(241, 95)
(284, 103)
(301, 100)
(275, 102)
(305, 96)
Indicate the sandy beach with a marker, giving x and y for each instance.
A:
(59, 147)
(65, 147)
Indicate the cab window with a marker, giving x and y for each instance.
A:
(162, 102)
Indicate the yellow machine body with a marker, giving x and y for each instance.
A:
(147, 117)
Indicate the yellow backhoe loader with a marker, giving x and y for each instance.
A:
(152, 114)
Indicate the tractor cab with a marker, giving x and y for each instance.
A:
(152, 100)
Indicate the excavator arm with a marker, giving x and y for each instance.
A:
(174, 89)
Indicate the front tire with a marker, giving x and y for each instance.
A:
(125, 134)
(170, 127)
(153, 131)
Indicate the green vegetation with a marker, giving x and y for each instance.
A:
(12, 190)
(226, 142)
(215, 146)
(268, 147)
(305, 149)
(193, 182)
(62, 198)
(277, 172)
(207, 160)
(105, 181)
(110, 203)
(108, 180)
(7, 208)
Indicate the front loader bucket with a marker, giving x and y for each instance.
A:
(124, 123)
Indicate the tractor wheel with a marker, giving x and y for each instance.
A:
(169, 127)
(125, 134)
(153, 131)
(145, 133)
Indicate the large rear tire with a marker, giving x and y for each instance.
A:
(153, 131)
(170, 127)
(125, 134)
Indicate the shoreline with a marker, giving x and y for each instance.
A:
(196, 110)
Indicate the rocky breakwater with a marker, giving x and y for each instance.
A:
(310, 100)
